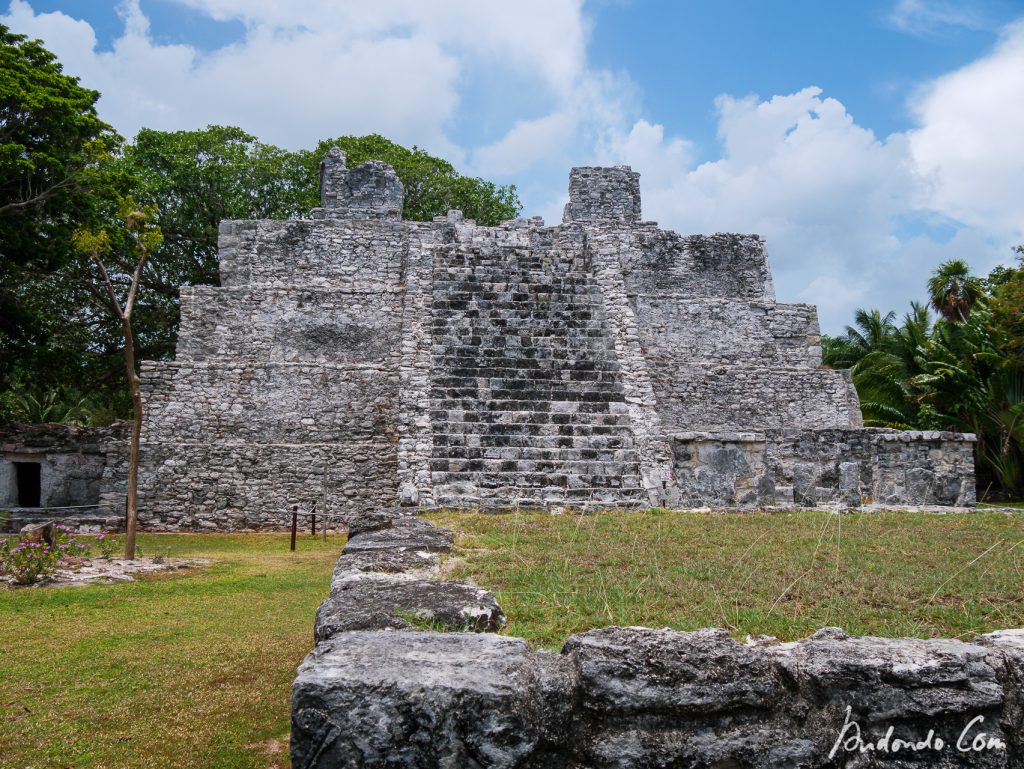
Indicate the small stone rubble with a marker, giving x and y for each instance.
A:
(105, 570)
(376, 693)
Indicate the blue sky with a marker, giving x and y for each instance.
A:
(865, 141)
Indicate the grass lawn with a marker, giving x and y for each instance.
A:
(194, 668)
(184, 669)
(780, 574)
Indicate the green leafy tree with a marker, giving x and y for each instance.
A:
(965, 372)
(197, 179)
(870, 332)
(63, 170)
(1007, 304)
(53, 148)
(884, 376)
(145, 238)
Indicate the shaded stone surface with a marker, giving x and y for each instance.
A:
(408, 534)
(373, 521)
(79, 479)
(388, 602)
(635, 697)
(409, 699)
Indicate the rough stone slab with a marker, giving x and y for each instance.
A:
(635, 697)
(637, 670)
(404, 535)
(385, 562)
(416, 699)
(374, 521)
(1006, 656)
(377, 602)
(896, 678)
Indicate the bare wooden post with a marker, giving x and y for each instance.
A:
(295, 524)
(324, 490)
(312, 513)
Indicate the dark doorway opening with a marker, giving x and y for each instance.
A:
(29, 484)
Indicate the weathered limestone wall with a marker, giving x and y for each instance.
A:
(333, 253)
(233, 486)
(739, 397)
(370, 191)
(286, 386)
(676, 331)
(725, 266)
(375, 692)
(447, 364)
(825, 467)
(290, 324)
(270, 403)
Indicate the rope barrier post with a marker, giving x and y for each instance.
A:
(323, 489)
(295, 524)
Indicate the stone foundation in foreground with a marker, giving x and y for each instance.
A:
(378, 692)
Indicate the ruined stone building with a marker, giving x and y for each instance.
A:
(600, 362)
(71, 473)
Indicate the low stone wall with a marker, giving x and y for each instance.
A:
(824, 467)
(240, 486)
(377, 693)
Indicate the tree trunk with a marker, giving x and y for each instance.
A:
(131, 503)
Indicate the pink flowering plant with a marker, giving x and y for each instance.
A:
(108, 544)
(26, 562)
(70, 550)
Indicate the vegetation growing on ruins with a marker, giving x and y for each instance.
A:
(780, 574)
(961, 370)
(63, 169)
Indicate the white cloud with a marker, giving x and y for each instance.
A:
(527, 142)
(308, 69)
(832, 200)
(924, 17)
(969, 145)
(598, 106)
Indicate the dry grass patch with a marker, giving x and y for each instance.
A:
(780, 574)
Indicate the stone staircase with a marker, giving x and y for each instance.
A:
(526, 392)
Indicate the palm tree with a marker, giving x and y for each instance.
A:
(870, 332)
(884, 375)
(952, 290)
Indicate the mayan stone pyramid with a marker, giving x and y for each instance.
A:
(365, 361)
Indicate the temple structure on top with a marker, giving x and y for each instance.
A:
(598, 363)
